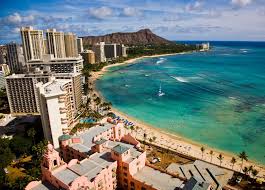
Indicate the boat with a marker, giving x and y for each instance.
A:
(160, 93)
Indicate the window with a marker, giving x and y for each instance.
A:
(143, 188)
(124, 167)
(132, 183)
(55, 163)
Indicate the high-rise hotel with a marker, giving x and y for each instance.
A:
(52, 85)
(33, 44)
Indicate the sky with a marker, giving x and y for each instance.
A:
(173, 19)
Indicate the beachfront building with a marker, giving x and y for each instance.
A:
(80, 47)
(56, 108)
(15, 58)
(103, 157)
(110, 51)
(88, 57)
(99, 52)
(124, 51)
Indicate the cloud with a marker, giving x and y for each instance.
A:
(14, 18)
(195, 6)
(130, 12)
(100, 13)
(241, 3)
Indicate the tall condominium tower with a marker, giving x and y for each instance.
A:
(80, 47)
(56, 108)
(70, 45)
(15, 58)
(99, 52)
(55, 43)
(32, 42)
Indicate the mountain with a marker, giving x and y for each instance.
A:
(144, 36)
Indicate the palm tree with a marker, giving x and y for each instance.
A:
(202, 149)
(220, 157)
(211, 153)
(233, 161)
(243, 156)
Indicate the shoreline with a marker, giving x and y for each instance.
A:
(175, 142)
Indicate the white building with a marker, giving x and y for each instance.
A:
(56, 108)
(99, 52)
(80, 47)
(63, 65)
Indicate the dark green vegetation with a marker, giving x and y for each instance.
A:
(4, 106)
(145, 50)
(245, 182)
(20, 157)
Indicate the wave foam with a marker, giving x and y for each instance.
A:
(180, 79)
(161, 60)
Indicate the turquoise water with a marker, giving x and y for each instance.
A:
(215, 98)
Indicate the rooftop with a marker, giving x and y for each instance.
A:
(120, 149)
(88, 167)
(101, 141)
(157, 179)
(88, 135)
(55, 87)
(203, 171)
(194, 184)
(44, 186)
(66, 176)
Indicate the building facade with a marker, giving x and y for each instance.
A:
(22, 92)
(110, 51)
(80, 47)
(4, 71)
(55, 43)
(99, 52)
(88, 57)
(71, 49)
(32, 43)
(66, 65)
(56, 108)
(15, 58)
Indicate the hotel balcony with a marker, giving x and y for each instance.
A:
(62, 110)
(64, 120)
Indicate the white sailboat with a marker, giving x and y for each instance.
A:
(160, 93)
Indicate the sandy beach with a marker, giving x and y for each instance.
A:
(172, 141)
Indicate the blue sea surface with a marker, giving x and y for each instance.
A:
(216, 98)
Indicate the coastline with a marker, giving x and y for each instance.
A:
(173, 141)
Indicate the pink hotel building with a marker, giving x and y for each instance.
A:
(104, 158)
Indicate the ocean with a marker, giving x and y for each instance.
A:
(216, 98)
